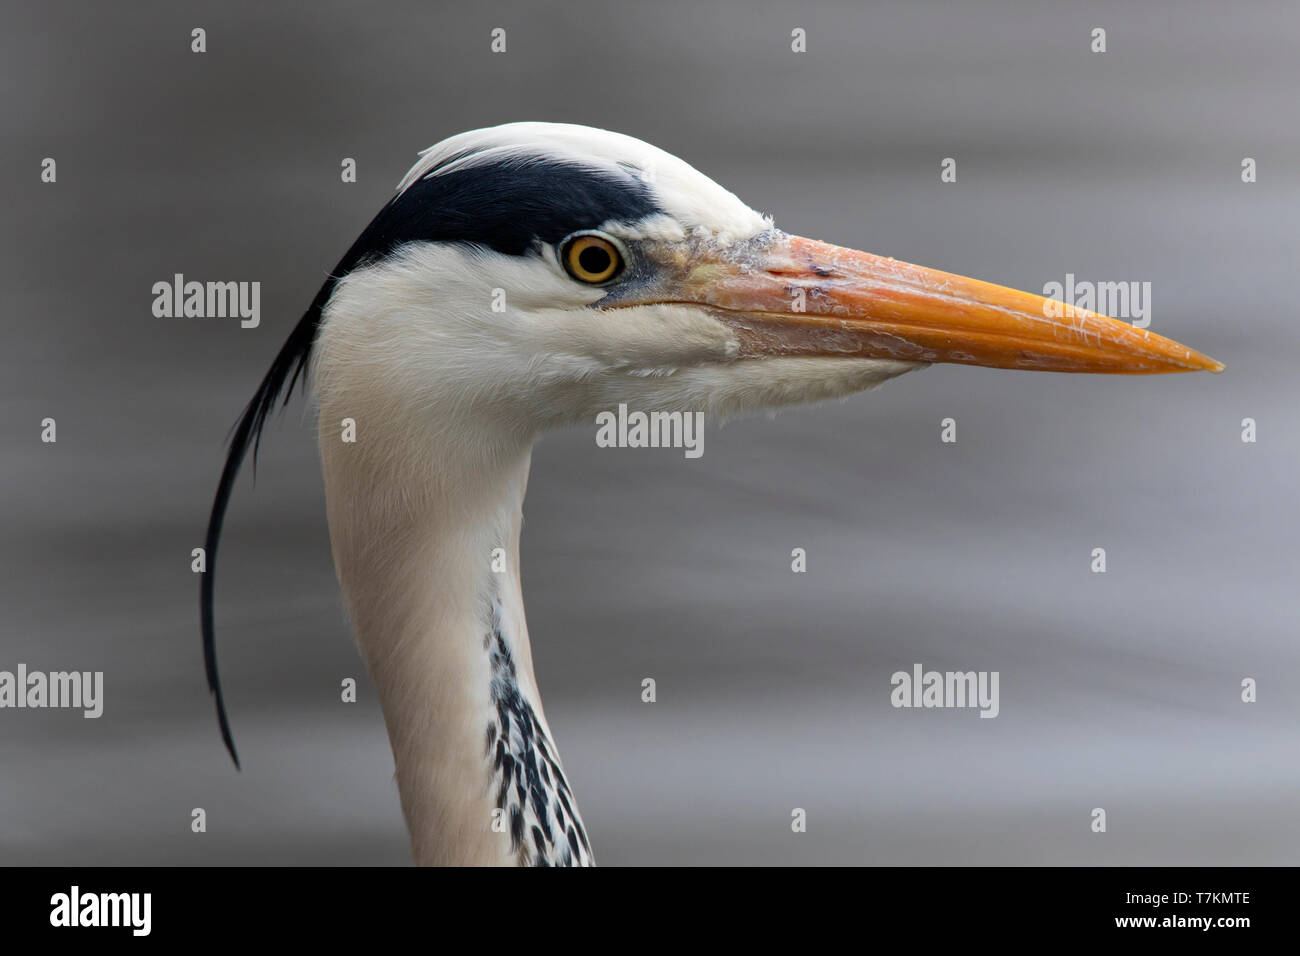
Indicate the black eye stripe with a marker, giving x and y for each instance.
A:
(509, 207)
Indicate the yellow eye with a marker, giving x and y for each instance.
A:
(591, 258)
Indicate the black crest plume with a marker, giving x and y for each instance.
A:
(289, 366)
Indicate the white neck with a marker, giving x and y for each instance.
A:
(415, 528)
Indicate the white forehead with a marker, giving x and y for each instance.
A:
(695, 203)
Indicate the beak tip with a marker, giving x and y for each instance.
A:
(1206, 364)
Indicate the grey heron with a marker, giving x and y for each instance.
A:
(530, 276)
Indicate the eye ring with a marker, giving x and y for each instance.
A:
(592, 258)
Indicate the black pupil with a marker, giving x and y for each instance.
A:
(594, 259)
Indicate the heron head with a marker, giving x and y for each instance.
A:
(534, 274)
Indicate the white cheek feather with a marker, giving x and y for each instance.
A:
(421, 329)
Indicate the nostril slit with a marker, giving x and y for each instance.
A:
(820, 272)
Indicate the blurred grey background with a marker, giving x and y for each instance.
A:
(1118, 690)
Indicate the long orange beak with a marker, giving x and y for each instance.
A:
(795, 296)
